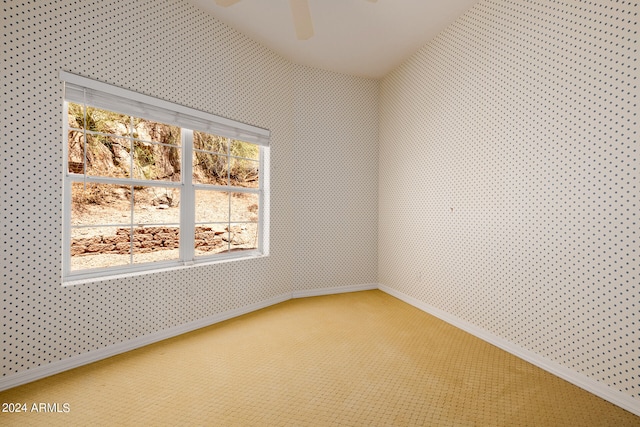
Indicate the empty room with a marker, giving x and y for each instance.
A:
(320, 212)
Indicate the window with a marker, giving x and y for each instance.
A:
(150, 184)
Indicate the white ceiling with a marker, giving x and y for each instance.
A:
(356, 37)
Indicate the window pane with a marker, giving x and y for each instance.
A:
(75, 115)
(97, 247)
(156, 244)
(245, 149)
(98, 120)
(75, 143)
(156, 162)
(210, 168)
(244, 207)
(107, 156)
(243, 236)
(212, 206)
(105, 121)
(209, 239)
(212, 239)
(148, 130)
(139, 256)
(244, 173)
(156, 215)
(211, 143)
(104, 204)
(156, 206)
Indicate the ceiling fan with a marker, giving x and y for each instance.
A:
(301, 16)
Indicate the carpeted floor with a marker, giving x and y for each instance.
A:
(357, 359)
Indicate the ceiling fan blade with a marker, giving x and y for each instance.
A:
(302, 19)
(226, 3)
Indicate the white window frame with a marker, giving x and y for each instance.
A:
(93, 93)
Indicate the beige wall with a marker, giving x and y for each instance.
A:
(508, 172)
(337, 180)
(323, 171)
(504, 189)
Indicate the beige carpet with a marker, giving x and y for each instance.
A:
(357, 359)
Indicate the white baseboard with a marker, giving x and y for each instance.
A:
(336, 290)
(614, 396)
(93, 356)
(592, 386)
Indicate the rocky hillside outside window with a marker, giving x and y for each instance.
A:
(150, 184)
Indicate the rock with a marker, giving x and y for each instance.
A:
(166, 236)
(121, 157)
(142, 237)
(118, 238)
(235, 239)
(151, 244)
(163, 206)
(123, 247)
(151, 230)
(238, 240)
(77, 249)
(100, 247)
(86, 241)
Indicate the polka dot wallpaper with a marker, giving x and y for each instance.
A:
(493, 175)
(171, 50)
(336, 230)
(509, 181)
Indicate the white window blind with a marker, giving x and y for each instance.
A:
(102, 95)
